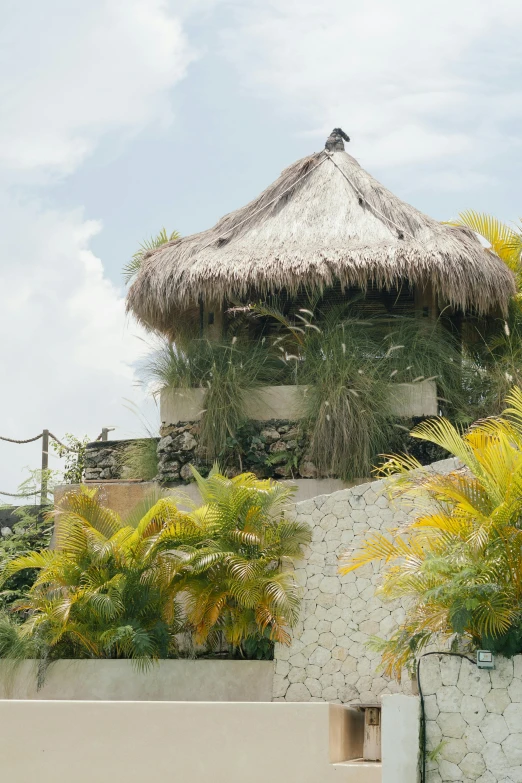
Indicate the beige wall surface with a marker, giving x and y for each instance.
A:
(400, 738)
(286, 402)
(172, 680)
(123, 496)
(108, 742)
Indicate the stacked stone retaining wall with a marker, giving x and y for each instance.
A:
(329, 659)
(473, 720)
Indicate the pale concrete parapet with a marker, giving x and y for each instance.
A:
(264, 404)
(118, 680)
(123, 496)
(82, 741)
(287, 402)
(400, 739)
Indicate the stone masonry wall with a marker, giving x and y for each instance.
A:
(329, 659)
(102, 460)
(267, 448)
(473, 720)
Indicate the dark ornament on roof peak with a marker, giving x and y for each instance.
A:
(335, 140)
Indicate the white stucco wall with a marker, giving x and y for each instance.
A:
(400, 738)
(329, 658)
(474, 718)
(64, 741)
(118, 680)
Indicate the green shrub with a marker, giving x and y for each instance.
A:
(139, 459)
(221, 574)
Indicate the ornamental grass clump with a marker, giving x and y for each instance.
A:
(458, 562)
(229, 371)
(348, 401)
(139, 459)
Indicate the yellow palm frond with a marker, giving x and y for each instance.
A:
(505, 241)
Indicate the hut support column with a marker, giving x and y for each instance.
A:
(426, 301)
(212, 321)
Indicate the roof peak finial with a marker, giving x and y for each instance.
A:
(335, 141)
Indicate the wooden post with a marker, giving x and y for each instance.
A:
(426, 301)
(105, 433)
(45, 467)
(372, 734)
(211, 320)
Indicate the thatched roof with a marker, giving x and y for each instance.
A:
(325, 219)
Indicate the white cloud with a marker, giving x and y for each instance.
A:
(74, 71)
(67, 351)
(409, 81)
(70, 73)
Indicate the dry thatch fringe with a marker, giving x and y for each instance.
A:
(324, 219)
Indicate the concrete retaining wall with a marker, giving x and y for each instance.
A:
(118, 680)
(63, 741)
(329, 658)
(286, 402)
(123, 496)
(400, 738)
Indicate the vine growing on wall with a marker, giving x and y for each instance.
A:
(74, 470)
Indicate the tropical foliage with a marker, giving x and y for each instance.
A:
(73, 454)
(238, 550)
(131, 269)
(99, 592)
(504, 240)
(459, 562)
(113, 588)
(31, 529)
(229, 371)
(350, 366)
(139, 459)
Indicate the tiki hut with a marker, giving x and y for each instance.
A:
(324, 224)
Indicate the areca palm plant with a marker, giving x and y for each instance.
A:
(103, 591)
(126, 589)
(504, 240)
(459, 561)
(238, 573)
(131, 269)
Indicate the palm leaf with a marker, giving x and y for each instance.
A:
(131, 269)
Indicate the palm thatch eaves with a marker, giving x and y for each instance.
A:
(325, 219)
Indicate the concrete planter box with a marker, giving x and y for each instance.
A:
(286, 402)
(118, 680)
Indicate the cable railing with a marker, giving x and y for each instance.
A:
(45, 435)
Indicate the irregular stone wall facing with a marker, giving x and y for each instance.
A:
(102, 460)
(473, 719)
(268, 448)
(329, 659)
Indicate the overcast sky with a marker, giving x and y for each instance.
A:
(123, 116)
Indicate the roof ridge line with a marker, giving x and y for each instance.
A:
(377, 211)
(221, 236)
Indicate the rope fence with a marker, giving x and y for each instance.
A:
(44, 436)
